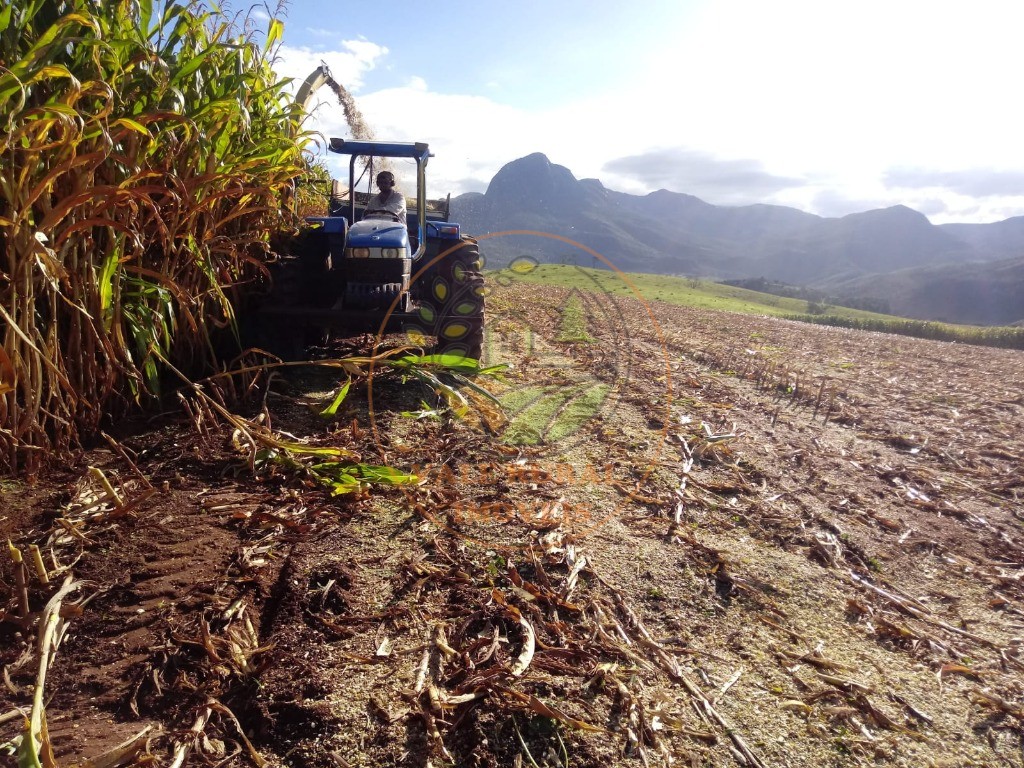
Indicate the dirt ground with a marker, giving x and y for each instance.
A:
(693, 538)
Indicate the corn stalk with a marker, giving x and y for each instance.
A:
(144, 153)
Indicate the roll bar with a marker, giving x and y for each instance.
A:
(418, 151)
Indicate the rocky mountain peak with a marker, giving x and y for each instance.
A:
(534, 182)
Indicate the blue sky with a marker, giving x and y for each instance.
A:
(524, 53)
(825, 105)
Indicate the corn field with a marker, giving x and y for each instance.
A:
(146, 151)
(997, 336)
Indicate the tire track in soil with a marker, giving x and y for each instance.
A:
(158, 573)
(328, 612)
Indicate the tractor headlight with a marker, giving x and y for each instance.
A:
(359, 253)
(390, 253)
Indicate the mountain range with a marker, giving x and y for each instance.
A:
(891, 257)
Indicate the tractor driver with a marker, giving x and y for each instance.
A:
(389, 203)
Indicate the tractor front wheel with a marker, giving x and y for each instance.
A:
(453, 301)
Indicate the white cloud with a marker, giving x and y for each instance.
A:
(471, 136)
(365, 51)
(348, 65)
(321, 32)
(726, 182)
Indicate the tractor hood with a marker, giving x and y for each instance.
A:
(378, 233)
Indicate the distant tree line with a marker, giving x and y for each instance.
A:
(987, 336)
(818, 301)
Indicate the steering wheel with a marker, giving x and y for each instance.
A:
(392, 214)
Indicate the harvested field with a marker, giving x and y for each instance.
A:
(737, 541)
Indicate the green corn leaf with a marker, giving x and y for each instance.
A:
(106, 286)
(332, 410)
(425, 412)
(28, 753)
(309, 450)
(341, 479)
(58, 109)
(386, 475)
(444, 361)
(491, 370)
(10, 85)
(53, 72)
(344, 484)
(132, 124)
(145, 15)
(46, 45)
(346, 478)
(274, 33)
(191, 66)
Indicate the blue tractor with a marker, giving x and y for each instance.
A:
(350, 273)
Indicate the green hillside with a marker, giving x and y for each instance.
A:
(681, 291)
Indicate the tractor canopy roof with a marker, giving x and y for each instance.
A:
(418, 149)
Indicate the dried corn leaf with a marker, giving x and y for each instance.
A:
(838, 713)
(914, 711)
(998, 703)
(795, 705)
(846, 685)
(529, 646)
(879, 718)
(538, 707)
(124, 752)
(448, 702)
(958, 669)
(816, 660)
(254, 754)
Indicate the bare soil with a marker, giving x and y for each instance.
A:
(772, 544)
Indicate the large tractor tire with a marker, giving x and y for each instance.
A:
(452, 301)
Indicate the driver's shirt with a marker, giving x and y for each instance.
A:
(392, 202)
